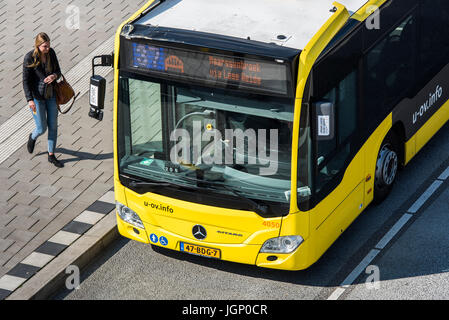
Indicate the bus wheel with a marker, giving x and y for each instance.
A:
(386, 168)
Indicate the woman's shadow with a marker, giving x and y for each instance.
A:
(80, 155)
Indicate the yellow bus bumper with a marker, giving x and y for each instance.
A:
(240, 253)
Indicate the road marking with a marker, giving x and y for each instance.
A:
(15, 131)
(425, 196)
(393, 231)
(444, 175)
(360, 268)
(354, 275)
(336, 294)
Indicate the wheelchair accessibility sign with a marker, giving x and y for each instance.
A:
(163, 241)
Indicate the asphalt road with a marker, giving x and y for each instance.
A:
(414, 264)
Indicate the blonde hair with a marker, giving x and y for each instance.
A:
(41, 38)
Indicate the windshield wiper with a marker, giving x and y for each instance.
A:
(261, 209)
(135, 183)
(142, 184)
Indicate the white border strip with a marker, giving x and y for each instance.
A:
(336, 294)
(11, 283)
(360, 268)
(444, 175)
(425, 196)
(393, 231)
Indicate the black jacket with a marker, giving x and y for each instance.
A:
(32, 76)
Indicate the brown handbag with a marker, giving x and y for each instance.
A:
(64, 93)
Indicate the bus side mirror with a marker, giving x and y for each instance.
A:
(106, 60)
(325, 120)
(97, 91)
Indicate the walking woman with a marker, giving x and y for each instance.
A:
(40, 71)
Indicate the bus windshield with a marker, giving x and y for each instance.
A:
(192, 136)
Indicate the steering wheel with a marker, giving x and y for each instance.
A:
(207, 119)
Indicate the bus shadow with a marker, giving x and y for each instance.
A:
(91, 267)
(310, 277)
(415, 254)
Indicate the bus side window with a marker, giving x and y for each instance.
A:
(335, 79)
(389, 71)
(434, 47)
(332, 155)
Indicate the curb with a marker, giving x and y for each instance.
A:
(38, 279)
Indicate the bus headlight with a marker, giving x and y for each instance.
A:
(129, 216)
(286, 244)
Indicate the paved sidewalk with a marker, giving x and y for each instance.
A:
(37, 200)
(22, 20)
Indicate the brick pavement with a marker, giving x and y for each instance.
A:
(21, 20)
(36, 198)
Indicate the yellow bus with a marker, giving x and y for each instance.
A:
(257, 131)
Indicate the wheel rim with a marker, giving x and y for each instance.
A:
(387, 167)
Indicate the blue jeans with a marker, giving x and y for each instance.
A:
(46, 117)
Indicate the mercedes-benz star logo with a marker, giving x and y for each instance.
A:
(199, 232)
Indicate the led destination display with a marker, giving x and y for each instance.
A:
(211, 69)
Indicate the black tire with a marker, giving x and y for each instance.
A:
(387, 167)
